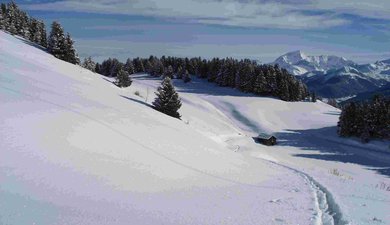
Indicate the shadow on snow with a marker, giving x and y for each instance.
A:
(333, 148)
(136, 100)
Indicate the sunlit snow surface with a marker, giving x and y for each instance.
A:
(75, 149)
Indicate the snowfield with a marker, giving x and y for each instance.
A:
(75, 149)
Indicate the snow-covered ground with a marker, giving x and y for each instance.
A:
(75, 149)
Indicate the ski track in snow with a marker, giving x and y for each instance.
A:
(328, 212)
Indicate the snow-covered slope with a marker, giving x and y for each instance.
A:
(298, 63)
(76, 149)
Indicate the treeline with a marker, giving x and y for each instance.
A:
(245, 75)
(367, 121)
(17, 22)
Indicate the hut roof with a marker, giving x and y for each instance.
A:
(265, 136)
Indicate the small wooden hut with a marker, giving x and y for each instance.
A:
(266, 139)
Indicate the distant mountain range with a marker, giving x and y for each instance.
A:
(367, 96)
(335, 77)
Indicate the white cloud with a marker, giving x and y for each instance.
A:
(227, 12)
(378, 9)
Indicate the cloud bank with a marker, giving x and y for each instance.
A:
(288, 14)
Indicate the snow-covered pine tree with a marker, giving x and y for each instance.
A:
(283, 90)
(244, 76)
(43, 33)
(11, 17)
(167, 100)
(158, 68)
(71, 54)
(313, 97)
(149, 67)
(260, 85)
(3, 11)
(23, 24)
(114, 67)
(129, 66)
(293, 89)
(89, 64)
(180, 72)
(168, 72)
(138, 65)
(123, 78)
(345, 121)
(378, 114)
(303, 90)
(214, 67)
(225, 73)
(186, 77)
(57, 42)
(271, 79)
(3, 8)
(35, 32)
(98, 68)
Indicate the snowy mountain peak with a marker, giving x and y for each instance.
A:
(292, 57)
(298, 63)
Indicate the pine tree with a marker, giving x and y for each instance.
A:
(149, 67)
(167, 100)
(186, 77)
(89, 64)
(57, 43)
(347, 120)
(115, 67)
(3, 11)
(129, 66)
(22, 24)
(123, 78)
(158, 68)
(260, 85)
(71, 54)
(180, 72)
(98, 68)
(11, 18)
(271, 79)
(313, 97)
(169, 72)
(138, 66)
(43, 33)
(35, 35)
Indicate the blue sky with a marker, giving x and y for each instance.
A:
(256, 29)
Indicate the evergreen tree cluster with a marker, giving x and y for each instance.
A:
(18, 22)
(112, 68)
(109, 67)
(245, 75)
(366, 120)
(89, 64)
(60, 45)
